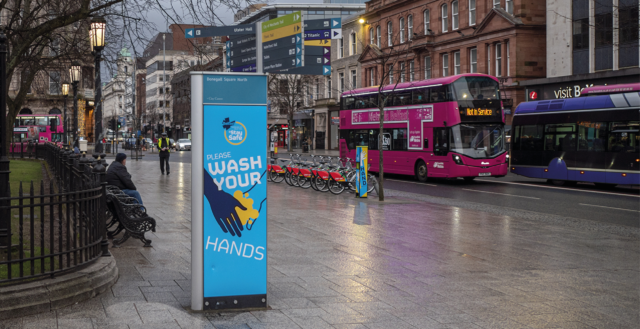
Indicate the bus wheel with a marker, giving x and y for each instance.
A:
(469, 179)
(421, 171)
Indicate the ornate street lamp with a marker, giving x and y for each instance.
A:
(65, 94)
(96, 39)
(76, 73)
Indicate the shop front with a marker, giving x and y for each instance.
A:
(334, 126)
(572, 86)
(302, 131)
(279, 134)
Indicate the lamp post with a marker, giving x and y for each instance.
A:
(96, 37)
(75, 72)
(5, 218)
(65, 94)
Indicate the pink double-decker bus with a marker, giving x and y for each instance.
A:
(446, 127)
(29, 128)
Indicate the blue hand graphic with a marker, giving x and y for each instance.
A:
(223, 206)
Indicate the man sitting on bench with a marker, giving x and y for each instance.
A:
(117, 175)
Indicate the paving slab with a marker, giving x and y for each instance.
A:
(412, 263)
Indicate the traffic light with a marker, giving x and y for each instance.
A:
(119, 125)
(112, 124)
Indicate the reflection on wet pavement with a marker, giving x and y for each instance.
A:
(339, 262)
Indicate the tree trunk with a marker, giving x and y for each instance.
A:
(380, 149)
(290, 118)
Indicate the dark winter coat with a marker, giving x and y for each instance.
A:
(117, 175)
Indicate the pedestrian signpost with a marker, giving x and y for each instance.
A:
(282, 42)
(212, 31)
(317, 46)
(241, 53)
(229, 191)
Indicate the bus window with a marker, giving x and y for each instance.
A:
(362, 102)
(361, 138)
(528, 138)
(623, 137)
(42, 121)
(402, 99)
(27, 121)
(373, 139)
(420, 96)
(399, 141)
(348, 103)
(440, 94)
(592, 136)
(440, 141)
(476, 88)
(560, 137)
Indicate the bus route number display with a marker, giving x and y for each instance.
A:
(479, 112)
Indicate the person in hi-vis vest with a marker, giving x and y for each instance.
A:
(164, 146)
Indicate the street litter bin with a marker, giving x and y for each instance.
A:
(305, 148)
(107, 148)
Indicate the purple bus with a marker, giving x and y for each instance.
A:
(587, 139)
(446, 127)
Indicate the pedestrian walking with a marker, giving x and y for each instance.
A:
(164, 146)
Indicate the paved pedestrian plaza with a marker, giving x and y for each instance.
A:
(337, 262)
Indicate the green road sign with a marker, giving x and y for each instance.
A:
(281, 21)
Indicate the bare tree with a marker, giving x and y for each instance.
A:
(287, 91)
(46, 34)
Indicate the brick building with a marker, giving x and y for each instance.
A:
(430, 39)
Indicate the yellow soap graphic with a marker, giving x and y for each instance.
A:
(250, 213)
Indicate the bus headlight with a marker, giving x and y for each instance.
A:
(506, 159)
(457, 159)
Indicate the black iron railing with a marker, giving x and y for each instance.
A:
(55, 227)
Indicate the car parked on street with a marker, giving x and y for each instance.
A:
(183, 144)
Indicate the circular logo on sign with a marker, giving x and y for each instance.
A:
(236, 134)
(533, 95)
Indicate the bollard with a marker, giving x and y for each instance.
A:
(100, 169)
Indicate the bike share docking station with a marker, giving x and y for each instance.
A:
(229, 191)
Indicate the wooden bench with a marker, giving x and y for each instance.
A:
(127, 215)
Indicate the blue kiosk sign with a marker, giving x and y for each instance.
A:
(229, 191)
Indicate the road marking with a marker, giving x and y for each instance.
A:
(557, 188)
(401, 181)
(517, 196)
(593, 205)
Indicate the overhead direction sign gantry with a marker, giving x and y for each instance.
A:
(282, 42)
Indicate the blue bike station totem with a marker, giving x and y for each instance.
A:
(229, 191)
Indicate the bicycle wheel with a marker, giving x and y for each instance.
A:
(275, 177)
(295, 180)
(372, 183)
(321, 184)
(287, 178)
(335, 187)
(313, 183)
(351, 178)
(304, 182)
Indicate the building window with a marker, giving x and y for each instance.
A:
(496, 3)
(489, 59)
(372, 77)
(456, 63)
(427, 22)
(389, 34)
(445, 65)
(378, 35)
(352, 40)
(628, 25)
(604, 29)
(454, 15)
(508, 60)
(371, 36)
(445, 18)
(498, 59)
(472, 12)
(427, 67)
(340, 47)
(509, 6)
(328, 87)
(410, 27)
(401, 29)
(473, 60)
(341, 81)
(402, 72)
(55, 47)
(581, 34)
(411, 68)
(317, 88)
(353, 79)
(54, 83)
(390, 74)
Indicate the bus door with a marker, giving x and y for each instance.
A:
(439, 160)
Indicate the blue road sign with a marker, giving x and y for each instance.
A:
(317, 34)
